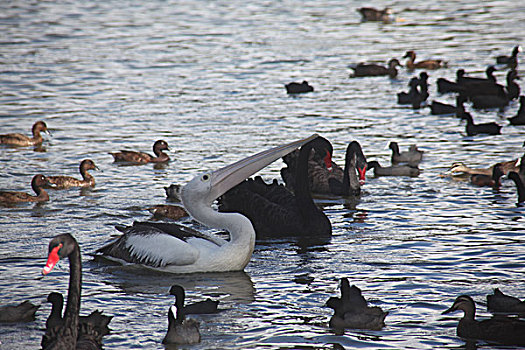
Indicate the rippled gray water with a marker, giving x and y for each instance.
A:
(208, 78)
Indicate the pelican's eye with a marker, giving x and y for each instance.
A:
(206, 177)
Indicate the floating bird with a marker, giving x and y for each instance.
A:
(70, 334)
(23, 312)
(413, 156)
(207, 306)
(37, 184)
(181, 250)
(513, 89)
(351, 310)
(274, 210)
(325, 176)
(460, 169)
(484, 128)
(492, 180)
(373, 14)
(445, 86)
(502, 303)
(173, 192)
(464, 80)
(17, 139)
(413, 96)
(61, 182)
(143, 158)
(180, 329)
(498, 329)
(520, 186)
(396, 170)
(426, 64)
(512, 60)
(373, 70)
(174, 212)
(298, 88)
(438, 108)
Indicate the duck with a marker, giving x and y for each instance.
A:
(325, 176)
(426, 64)
(180, 329)
(373, 14)
(485, 99)
(38, 183)
(498, 302)
(351, 310)
(69, 334)
(207, 306)
(274, 210)
(512, 60)
(499, 329)
(173, 192)
(520, 186)
(445, 86)
(460, 169)
(23, 312)
(373, 70)
(492, 180)
(99, 321)
(413, 97)
(476, 129)
(513, 89)
(396, 170)
(298, 88)
(464, 80)
(174, 212)
(61, 182)
(143, 158)
(439, 108)
(413, 156)
(175, 248)
(519, 118)
(17, 139)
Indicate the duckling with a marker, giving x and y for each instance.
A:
(37, 183)
(502, 303)
(180, 330)
(17, 139)
(460, 169)
(23, 312)
(519, 119)
(396, 170)
(520, 187)
(173, 192)
(484, 128)
(426, 64)
(512, 60)
(174, 212)
(297, 88)
(143, 158)
(373, 14)
(498, 329)
(492, 180)
(207, 306)
(413, 156)
(373, 70)
(62, 182)
(351, 310)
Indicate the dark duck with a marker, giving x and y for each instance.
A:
(426, 64)
(207, 306)
(23, 312)
(17, 139)
(180, 329)
(501, 98)
(439, 108)
(520, 186)
(37, 184)
(69, 333)
(325, 176)
(351, 310)
(374, 70)
(61, 182)
(493, 180)
(298, 88)
(275, 211)
(412, 157)
(143, 158)
(498, 329)
(394, 170)
(373, 14)
(484, 128)
(512, 60)
(499, 302)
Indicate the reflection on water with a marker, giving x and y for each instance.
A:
(209, 79)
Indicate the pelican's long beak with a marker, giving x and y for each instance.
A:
(231, 175)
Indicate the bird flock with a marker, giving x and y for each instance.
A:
(286, 207)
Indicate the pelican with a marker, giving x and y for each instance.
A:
(176, 249)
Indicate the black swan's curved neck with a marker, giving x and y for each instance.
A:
(74, 291)
(302, 187)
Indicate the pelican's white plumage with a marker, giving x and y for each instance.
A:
(175, 249)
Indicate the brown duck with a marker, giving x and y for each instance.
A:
(38, 183)
(143, 158)
(174, 212)
(62, 182)
(426, 64)
(17, 139)
(460, 169)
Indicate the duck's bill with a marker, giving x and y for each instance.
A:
(233, 174)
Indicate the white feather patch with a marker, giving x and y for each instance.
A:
(160, 249)
(173, 311)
